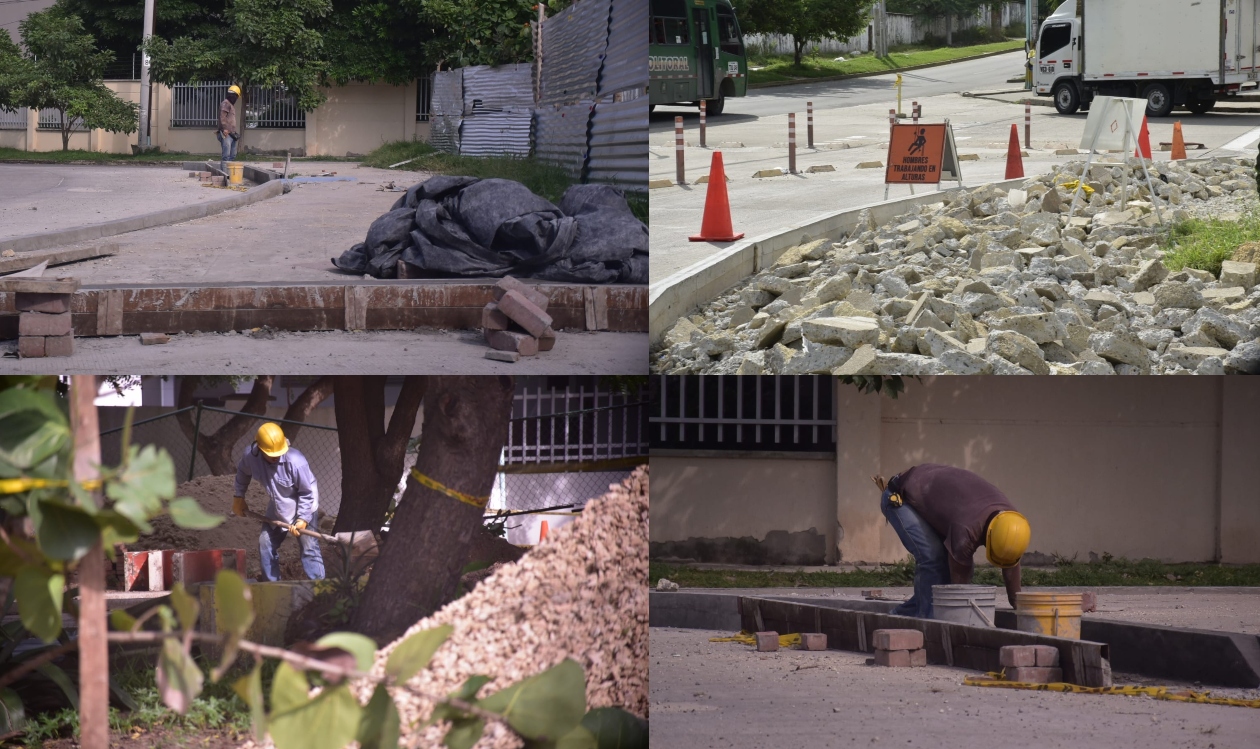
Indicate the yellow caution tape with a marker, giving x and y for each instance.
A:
(468, 499)
(749, 638)
(25, 484)
(1077, 183)
(1160, 693)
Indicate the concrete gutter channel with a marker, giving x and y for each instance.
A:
(1226, 659)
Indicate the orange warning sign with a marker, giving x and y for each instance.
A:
(915, 154)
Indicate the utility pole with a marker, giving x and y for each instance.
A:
(1030, 42)
(145, 138)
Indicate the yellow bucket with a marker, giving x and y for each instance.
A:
(236, 172)
(1055, 614)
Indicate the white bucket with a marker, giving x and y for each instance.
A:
(964, 604)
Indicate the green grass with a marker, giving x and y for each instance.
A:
(1067, 573)
(94, 157)
(545, 180)
(1205, 244)
(781, 68)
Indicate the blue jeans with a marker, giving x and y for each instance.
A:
(228, 146)
(269, 552)
(931, 566)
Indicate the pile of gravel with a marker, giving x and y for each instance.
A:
(582, 594)
(991, 281)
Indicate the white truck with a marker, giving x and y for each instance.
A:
(1169, 52)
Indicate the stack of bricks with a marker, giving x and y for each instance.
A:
(899, 648)
(768, 642)
(516, 324)
(209, 178)
(44, 327)
(1033, 664)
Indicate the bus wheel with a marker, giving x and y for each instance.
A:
(1066, 100)
(714, 107)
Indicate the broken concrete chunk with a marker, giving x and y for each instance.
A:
(846, 331)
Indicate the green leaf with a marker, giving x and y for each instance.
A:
(116, 529)
(56, 675)
(464, 734)
(39, 592)
(578, 738)
(10, 561)
(179, 678)
(65, 532)
(545, 706)
(381, 726)
(468, 690)
(251, 692)
(168, 618)
(186, 513)
(330, 721)
(12, 711)
(121, 621)
(288, 689)
(148, 479)
(362, 648)
(185, 606)
(415, 652)
(32, 429)
(234, 611)
(614, 728)
(122, 695)
(467, 693)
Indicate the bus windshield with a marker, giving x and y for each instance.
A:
(669, 22)
(728, 31)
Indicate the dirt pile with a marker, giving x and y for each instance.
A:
(214, 494)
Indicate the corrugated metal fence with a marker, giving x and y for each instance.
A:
(483, 110)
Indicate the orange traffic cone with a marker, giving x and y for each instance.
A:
(716, 224)
(1014, 161)
(1143, 151)
(1179, 142)
(542, 531)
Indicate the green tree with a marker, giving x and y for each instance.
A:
(260, 42)
(119, 24)
(804, 20)
(62, 69)
(933, 9)
(480, 32)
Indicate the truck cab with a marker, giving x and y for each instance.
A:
(1058, 58)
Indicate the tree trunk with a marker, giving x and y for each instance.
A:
(216, 448)
(93, 649)
(372, 455)
(65, 131)
(798, 48)
(301, 408)
(949, 30)
(466, 421)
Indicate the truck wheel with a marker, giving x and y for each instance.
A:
(1066, 100)
(1159, 102)
(715, 106)
(1201, 106)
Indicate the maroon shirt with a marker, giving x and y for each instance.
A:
(955, 502)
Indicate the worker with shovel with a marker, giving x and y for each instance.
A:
(283, 471)
(227, 132)
(942, 515)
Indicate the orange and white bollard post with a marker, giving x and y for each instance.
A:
(703, 109)
(914, 111)
(792, 143)
(678, 150)
(1027, 125)
(809, 123)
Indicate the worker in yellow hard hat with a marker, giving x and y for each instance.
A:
(942, 514)
(283, 471)
(227, 132)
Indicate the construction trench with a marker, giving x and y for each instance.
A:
(712, 693)
(180, 291)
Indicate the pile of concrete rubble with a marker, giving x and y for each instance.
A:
(1001, 282)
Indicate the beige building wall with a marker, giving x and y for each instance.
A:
(780, 507)
(1161, 468)
(353, 121)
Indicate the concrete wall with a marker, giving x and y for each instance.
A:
(1161, 468)
(355, 120)
(743, 508)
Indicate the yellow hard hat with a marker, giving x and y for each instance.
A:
(1007, 538)
(271, 440)
(237, 90)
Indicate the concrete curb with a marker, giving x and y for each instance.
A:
(678, 294)
(847, 76)
(176, 215)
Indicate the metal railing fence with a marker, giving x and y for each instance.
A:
(720, 412)
(13, 119)
(197, 105)
(50, 119)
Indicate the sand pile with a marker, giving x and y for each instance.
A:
(214, 494)
(581, 594)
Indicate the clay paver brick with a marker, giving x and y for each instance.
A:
(547, 341)
(1034, 675)
(31, 346)
(507, 283)
(1012, 656)
(813, 641)
(493, 318)
(59, 345)
(43, 323)
(507, 340)
(767, 642)
(1047, 655)
(897, 639)
(507, 356)
(894, 658)
(525, 313)
(1089, 601)
(918, 657)
(51, 303)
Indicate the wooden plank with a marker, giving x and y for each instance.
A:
(34, 271)
(356, 307)
(26, 260)
(109, 312)
(40, 285)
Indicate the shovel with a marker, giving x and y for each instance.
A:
(286, 526)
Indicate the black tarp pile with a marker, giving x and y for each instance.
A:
(465, 227)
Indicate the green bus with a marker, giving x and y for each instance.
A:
(695, 52)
